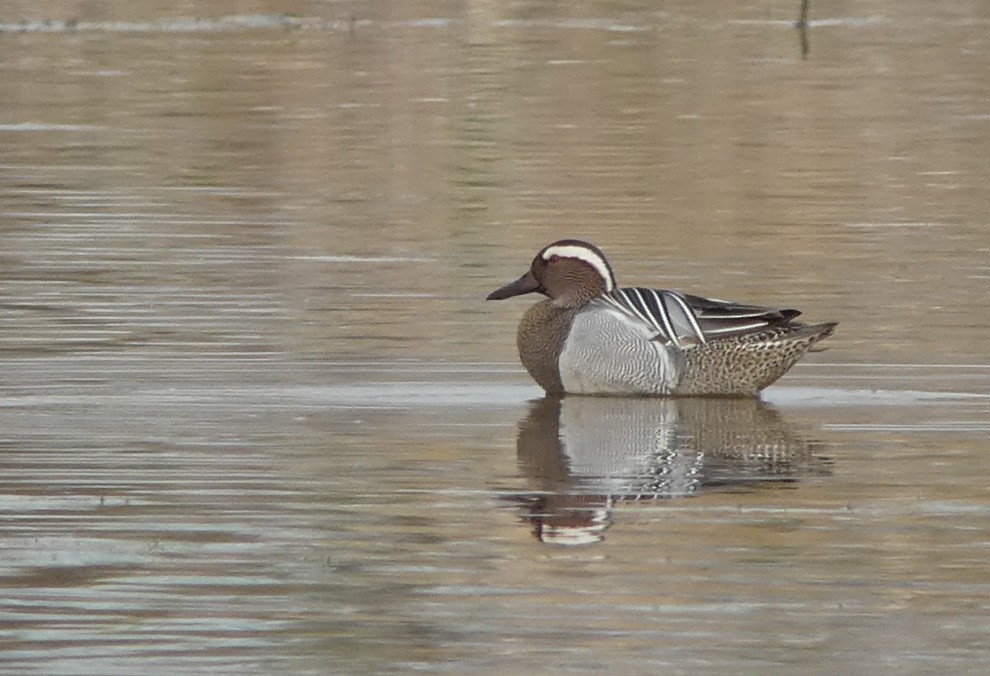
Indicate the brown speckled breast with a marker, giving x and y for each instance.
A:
(540, 339)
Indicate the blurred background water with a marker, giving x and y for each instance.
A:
(255, 414)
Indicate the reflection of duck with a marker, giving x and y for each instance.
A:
(582, 454)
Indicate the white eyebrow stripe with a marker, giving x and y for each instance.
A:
(586, 255)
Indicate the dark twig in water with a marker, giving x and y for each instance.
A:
(802, 26)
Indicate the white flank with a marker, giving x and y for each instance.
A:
(586, 255)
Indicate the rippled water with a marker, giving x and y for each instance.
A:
(255, 414)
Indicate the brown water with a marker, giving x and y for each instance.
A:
(255, 414)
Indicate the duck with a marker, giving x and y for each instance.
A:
(590, 337)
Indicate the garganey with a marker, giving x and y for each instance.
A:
(590, 337)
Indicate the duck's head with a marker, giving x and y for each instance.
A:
(568, 272)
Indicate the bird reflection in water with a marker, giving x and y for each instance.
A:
(582, 455)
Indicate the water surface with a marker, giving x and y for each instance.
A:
(255, 414)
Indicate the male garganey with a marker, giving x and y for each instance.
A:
(589, 337)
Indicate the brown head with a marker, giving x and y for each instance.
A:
(567, 272)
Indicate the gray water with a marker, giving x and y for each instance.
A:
(255, 414)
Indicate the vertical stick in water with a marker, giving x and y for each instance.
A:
(802, 26)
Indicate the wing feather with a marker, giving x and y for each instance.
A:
(682, 319)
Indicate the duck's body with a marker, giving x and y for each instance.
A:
(590, 338)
